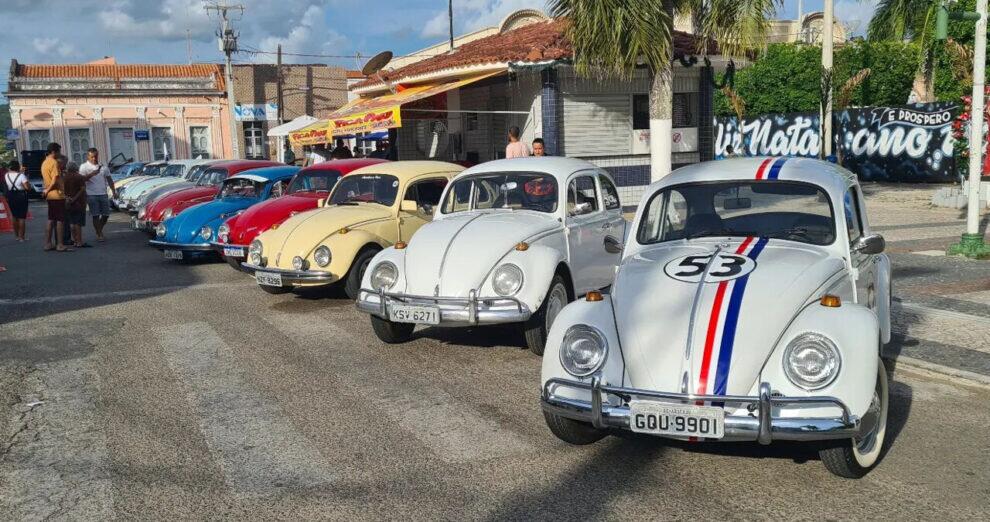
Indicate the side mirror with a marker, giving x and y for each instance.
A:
(869, 245)
(408, 205)
(581, 209)
(612, 245)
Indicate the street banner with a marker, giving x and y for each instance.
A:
(315, 134)
(368, 121)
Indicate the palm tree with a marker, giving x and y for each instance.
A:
(914, 20)
(612, 38)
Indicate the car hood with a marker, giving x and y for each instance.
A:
(262, 216)
(184, 227)
(737, 322)
(459, 251)
(301, 233)
(194, 194)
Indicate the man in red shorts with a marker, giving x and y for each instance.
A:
(54, 194)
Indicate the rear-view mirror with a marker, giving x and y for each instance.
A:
(509, 185)
(737, 203)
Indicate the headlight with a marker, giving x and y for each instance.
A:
(384, 275)
(583, 351)
(223, 233)
(206, 233)
(141, 213)
(507, 280)
(255, 258)
(811, 361)
(322, 255)
(299, 263)
(160, 230)
(255, 247)
(168, 214)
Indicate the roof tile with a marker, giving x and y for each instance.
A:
(199, 70)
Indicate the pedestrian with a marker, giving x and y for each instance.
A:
(97, 181)
(18, 189)
(55, 197)
(538, 147)
(75, 203)
(62, 165)
(381, 150)
(515, 148)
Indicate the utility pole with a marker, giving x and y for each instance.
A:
(827, 44)
(800, 18)
(450, 18)
(278, 100)
(228, 44)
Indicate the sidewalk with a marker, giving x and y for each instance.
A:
(941, 311)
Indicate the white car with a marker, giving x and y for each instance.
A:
(751, 303)
(512, 241)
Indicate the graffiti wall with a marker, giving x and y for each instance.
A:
(910, 143)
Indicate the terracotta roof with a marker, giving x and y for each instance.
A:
(537, 42)
(199, 70)
(355, 75)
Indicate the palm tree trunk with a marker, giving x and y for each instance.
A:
(662, 110)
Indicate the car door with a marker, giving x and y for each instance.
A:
(861, 264)
(615, 224)
(586, 231)
(426, 193)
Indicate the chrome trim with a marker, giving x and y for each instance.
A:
(764, 427)
(471, 310)
(195, 247)
(686, 381)
(292, 276)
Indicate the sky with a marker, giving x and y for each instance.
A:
(163, 31)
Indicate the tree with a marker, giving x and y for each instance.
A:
(611, 38)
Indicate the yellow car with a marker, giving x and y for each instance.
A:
(370, 208)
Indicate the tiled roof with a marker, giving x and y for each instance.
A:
(354, 75)
(199, 70)
(537, 42)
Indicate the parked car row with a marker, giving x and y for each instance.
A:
(747, 300)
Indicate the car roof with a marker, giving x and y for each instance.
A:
(557, 166)
(193, 162)
(408, 169)
(267, 173)
(825, 174)
(234, 166)
(344, 165)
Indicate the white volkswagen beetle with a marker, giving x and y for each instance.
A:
(751, 303)
(512, 241)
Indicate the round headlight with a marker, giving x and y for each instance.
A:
(322, 255)
(583, 350)
(223, 233)
(507, 279)
(168, 214)
(811, 361)
(141, 213)
(384, 275)
(299, 263)
(255, 258)
(160, 230)
(206, 233)
(255, 247)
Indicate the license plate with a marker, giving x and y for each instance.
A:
(233, 252)
(268, 278)
(173, 254)
(679, 420)
(401, 313)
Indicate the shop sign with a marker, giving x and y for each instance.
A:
(310, 136)
(368, 121)
(256, 112)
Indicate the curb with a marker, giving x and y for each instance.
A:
(941, 371)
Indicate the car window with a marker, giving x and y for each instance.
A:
(174, 170)
(508, 190)
(426, 193)
(582, 197)
(667, 217)
(279, 188)
(365, 188)
(854, 226)
(241, 188)
(314, 181)
(213, 177)
(609, 194)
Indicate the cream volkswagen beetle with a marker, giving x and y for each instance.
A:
(513, 241)
(751, 304)
(369, 209)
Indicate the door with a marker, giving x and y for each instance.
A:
(122, 142)
(615, 225)
(426, 193)
(861, 264)
(587, 225)
(254, 140)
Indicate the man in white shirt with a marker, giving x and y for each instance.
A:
(97, 179)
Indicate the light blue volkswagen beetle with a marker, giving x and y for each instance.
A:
(188, 235)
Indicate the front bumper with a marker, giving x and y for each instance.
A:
(219, 247)
(293, 277)
(760, 424)
(185, 247)
(454, 311)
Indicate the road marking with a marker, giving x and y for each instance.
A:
(120, 293)
(930, 253)
(259, 451)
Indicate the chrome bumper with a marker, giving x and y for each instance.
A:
(454, 311)
(760, 425)
(291, 277)
(185, 247)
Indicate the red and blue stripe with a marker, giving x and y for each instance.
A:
(770, 168)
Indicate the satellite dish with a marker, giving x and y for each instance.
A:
(376, 63)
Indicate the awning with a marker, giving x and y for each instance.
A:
(289, 126)
(375, 114)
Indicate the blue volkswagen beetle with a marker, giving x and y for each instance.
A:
(189, 234)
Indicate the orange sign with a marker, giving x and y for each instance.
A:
(312, 135)
(367, 121)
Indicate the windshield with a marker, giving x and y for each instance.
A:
(774, 209)
(314, 181)
(174, 170)
(212, 177)
(366, 188)
(511, 190)
(241, 188)
(194, 173)
(151, 170)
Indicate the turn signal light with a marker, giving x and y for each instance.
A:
(343, 230)
(831, 301)
(594, 296)
(522, 246)
(400, 245)
(274, 227)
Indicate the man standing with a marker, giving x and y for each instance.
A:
(75, 203)
(538, 147)
(97, 179)
(515, 148)
(55, 196)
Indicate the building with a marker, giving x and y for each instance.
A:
(128, 112)
(307, 89)
(806, 29)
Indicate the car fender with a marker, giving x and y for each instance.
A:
(538, 264)
(597, 314)
(344, 248)
(885, 291)
(392, 255)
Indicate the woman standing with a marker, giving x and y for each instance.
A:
(17, 197)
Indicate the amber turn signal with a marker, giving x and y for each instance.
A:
(400, 245)
(343, 230)
(831, 301)
(275, 226)
(594, 296)
(522, 246)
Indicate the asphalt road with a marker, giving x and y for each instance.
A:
(138, 388)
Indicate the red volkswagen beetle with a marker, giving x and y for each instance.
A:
(308, 188)
(206, 189)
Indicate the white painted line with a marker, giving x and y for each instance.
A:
(938, 312)
(258, 450)
(121, 293)
(930, 253)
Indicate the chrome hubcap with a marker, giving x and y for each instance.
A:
(555, 303)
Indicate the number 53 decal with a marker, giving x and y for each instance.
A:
(725, 268)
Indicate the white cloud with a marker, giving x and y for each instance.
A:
(471, 15)
(308, 35)
(53, 46)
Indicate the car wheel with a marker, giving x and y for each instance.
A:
(539, 323)
(390, 332)
(276, 290)
(855, 458)
(572, 431)
(352, 283)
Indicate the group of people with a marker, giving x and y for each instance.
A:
(69, 188)
(518, 149)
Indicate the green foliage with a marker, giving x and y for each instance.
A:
(892, 64)
(5, 155)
